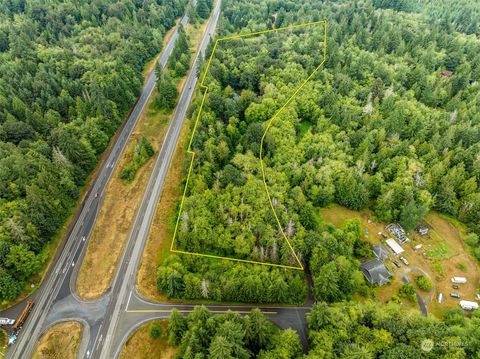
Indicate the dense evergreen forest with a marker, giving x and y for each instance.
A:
(345, 330)
(230, 335)
(461, 15)
(69, 73)
(351, 330)
(390, 123)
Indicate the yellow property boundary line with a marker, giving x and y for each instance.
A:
(214, 311)
(270, 122)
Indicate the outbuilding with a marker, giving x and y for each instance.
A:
(394, 246)
(446, 74)
(423, 230)
(380, 252)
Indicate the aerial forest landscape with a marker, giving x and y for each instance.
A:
(239, 179)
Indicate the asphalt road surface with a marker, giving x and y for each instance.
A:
(110, 320)
(57, 283)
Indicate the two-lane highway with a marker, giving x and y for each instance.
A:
(113, 317)
(54, 287)
(124, 282)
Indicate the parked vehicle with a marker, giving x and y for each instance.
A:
(23, 316)
(455, 286)
(468, 305)
(455, 295)
(396, 264)
(459, 280)
(404, 261)
(12, 338)
(6, 321)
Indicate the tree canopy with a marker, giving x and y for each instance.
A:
(69, 73)
(383, 125)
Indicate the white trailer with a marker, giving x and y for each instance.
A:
(459, 280)
(468, 305)
(6, 321)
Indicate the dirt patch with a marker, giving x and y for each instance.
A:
(142, 346)
(161, 232)
(60, 341)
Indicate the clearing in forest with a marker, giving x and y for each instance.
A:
(297, 88)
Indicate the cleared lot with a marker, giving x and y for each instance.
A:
(443, 255)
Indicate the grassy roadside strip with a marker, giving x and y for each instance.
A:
(60, 341)
(141, 345)
(118, 209)
(3, 343)
(161, 232)
(123, 200)
(158, 242)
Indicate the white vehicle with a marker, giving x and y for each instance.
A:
(460, 280)
(12, 339)
(6, 321)
(404, 261)
(440, 298)
(468, 305)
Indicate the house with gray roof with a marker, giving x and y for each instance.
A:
(375, 271)
(380, 252)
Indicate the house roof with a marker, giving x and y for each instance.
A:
(396, 248)
(380, 252)
(375, 271)
(446, 73)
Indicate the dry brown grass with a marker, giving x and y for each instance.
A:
(118, 210)
(142, 346)
(161, 232)
(60, 341)
(3, 343)
(445, 233)
(122, 200)
(195, 33)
